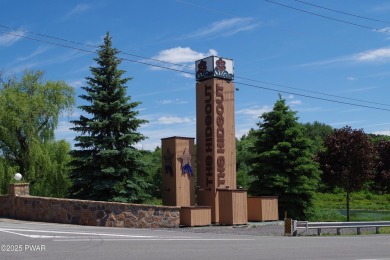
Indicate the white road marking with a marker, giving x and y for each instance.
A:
(68, 232)
(61, 236)
(153, 239)
(374, 259)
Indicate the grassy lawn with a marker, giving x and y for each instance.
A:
(364, 206)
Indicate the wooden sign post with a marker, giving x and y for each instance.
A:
(178, 186)
(216, 153)
(215, 131)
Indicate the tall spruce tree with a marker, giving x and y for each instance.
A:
(106, 164)
(282, 162)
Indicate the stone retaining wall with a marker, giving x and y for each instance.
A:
(20, 205)
(4, 206)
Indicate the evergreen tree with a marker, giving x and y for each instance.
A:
(243, 155)
(282, 162)
(107, 166)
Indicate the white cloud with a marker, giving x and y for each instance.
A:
(80, 8)
(187, 75)
(351, 78)
(157, 132)
(382, 132)
(57, 59)
(295, 102)
(349, 123)
(173, 101)
(358, 89)
(37, 52)
(63, 131)
(225, 28)
(377, 55)
(385, 30)
(76, 83)
(67, 56)
(241, 132)
(254, 112)
(376, 125)
(353, 110)
(182, 55)
(381, 54)
(7, 39)
(166, 102)
(17, 69)
(74, 114)
(325, 62)
(64, 128)
(382, 8)
(173, 120)
(313, 109)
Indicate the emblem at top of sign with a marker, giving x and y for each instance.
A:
(214, 67)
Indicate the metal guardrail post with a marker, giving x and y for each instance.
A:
(294, 227)
(287, 226)
(290, 227)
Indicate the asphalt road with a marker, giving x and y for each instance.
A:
(33, 240)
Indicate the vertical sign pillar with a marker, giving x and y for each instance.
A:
(215, 131)
(178, 186)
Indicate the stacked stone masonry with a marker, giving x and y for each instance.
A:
(19, 205)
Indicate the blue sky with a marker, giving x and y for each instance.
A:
(297, 52)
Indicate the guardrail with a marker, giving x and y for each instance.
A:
(292, 226)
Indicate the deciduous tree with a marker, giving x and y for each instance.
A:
(317, 132)
(382, 172)
(29, 114)
(348, 161)
(56, 181)
(153, 168)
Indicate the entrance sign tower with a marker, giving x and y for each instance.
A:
(217, 198)
(215, 131)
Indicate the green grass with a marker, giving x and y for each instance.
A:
(326, 215)
(364, 206)
(368, 215)
(153, 201)
(359, 200)
(384, 230)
